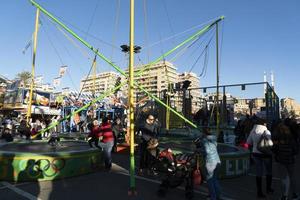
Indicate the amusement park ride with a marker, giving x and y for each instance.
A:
(69, 112)
(130, 81)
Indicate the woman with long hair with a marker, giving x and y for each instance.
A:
(285, 148)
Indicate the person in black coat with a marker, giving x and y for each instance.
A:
(285, 149)
(148, 131)
(7, 136)
(119, 133)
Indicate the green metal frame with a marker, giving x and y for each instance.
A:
(193, 37)
(131, 82)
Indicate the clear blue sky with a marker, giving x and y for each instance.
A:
(257, 36)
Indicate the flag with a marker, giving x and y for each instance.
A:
(27, 46)
(56, 82)
(62, 70)
(30, 40)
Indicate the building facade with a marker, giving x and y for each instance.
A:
(154, 79)
(103, 81)
(194, 94)
(290, 108)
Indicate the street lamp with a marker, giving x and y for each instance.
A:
(136, 49)
(125, 48)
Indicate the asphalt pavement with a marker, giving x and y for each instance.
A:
(115, 185)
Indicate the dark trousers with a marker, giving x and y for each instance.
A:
(53, 140)
(115, 148)
(144, 155)
(263, 163)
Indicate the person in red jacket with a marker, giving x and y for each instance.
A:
(94, 135)
(107, 141)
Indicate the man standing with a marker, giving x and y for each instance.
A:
(148, 131)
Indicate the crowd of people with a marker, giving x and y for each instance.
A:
(12, 127)
(283, 146)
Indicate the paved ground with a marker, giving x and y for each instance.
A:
(114, 185)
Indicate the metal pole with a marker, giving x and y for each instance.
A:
(94, 75)
(33, 64)
(167, 100)
(168, 113)
(132, 189)
(217, 62)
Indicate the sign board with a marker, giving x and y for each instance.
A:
(38, 98)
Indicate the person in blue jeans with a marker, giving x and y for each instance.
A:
(212, 163)
(107, 141)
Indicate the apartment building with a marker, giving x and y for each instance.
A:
(103, 82)
(154, 78)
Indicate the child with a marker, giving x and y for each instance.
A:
(54, 139)
(212, 163)
(7, 136)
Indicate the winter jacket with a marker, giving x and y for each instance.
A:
(285, 150)
(106, 132)
(255, 136)
(117, 129)
(148, 131)
(211, 155)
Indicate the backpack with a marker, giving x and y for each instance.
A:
(265, 144)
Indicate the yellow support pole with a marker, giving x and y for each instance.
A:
(132, 190)
(218, 79)
(168, 115)
(94, 75)
(168, 100)
(33, 64)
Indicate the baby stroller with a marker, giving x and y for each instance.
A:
(174, 170)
